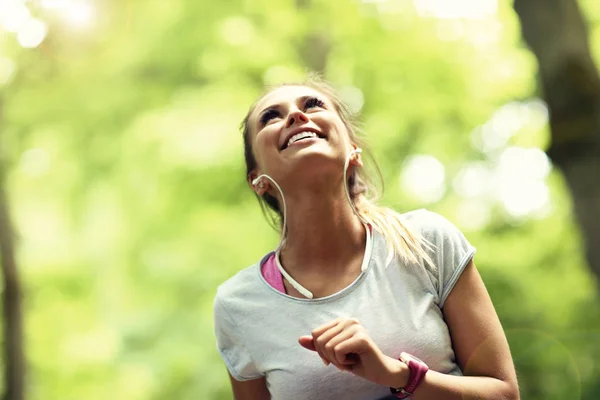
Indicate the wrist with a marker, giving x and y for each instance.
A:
(399, 374)
(417, 370)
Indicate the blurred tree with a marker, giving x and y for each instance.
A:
(14, 366)
(125, 174)
(557, 34)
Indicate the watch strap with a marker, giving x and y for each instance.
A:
(417, 369)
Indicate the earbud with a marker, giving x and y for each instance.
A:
(258, 182)
(355, 154)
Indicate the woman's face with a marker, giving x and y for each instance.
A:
(297, 129)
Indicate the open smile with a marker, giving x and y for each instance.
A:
(301, 135)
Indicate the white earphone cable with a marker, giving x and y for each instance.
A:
(284, 225)
(357, 151)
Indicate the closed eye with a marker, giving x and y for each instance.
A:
(313, 102)
(267, 116)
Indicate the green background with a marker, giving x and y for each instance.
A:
(126, 177)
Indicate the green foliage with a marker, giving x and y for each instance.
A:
(127, 182)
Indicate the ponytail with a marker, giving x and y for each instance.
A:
(401, 241)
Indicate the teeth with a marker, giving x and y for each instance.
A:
(301, 135)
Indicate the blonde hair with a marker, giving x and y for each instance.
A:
(401, 241)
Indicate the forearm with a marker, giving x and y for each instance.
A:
(450, 387)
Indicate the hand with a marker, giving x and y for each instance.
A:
(346, 344)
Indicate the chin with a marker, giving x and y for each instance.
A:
(317, 165)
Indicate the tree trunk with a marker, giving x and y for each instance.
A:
(14, 363)
(557, 34)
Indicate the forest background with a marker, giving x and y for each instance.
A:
(123, 175)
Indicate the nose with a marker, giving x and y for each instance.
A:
(296, 117)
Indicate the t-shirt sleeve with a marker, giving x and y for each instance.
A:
(229, 343)
(451, 252)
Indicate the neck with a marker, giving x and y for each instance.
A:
(324, 236)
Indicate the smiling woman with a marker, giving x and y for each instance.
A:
(319, 101)
(357, 301)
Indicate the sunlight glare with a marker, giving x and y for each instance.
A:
(468, 9)
(79, 14)
(473, 180)
(508, 121)
(521, 198)
(35, 162)
(13, 15)
(32, 33)
(423, 176)
(53, 4)
(450, 29)
(473, 214)
(521, 175)
(353, 97)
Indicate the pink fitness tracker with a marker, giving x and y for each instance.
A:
(418, 369)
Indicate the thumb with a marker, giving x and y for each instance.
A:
(307, 342)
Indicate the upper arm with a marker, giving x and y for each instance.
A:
(478, 339)
(254, 389)
(234, 352)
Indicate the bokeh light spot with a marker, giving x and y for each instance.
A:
(423, 176)
(35, 162)
(32, 33)
(469, 9)
(13, 15)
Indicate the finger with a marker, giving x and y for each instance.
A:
(349, 326)
(320, 338)
(350, 349)
(331, 348)
(323, 333)
(307, 342)
(325, 327)
(323, 343)
(326, 336)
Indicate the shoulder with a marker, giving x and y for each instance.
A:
(240, 283)
(232, 304)
(447, 247)
(230, 299)
(241, 287)
(427, 223)
(440, 237)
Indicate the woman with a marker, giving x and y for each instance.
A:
(358, 301)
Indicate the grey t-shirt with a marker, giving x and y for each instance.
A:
(257, 327)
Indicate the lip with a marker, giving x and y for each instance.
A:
(299, 130)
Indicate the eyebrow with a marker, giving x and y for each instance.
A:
(276, 106)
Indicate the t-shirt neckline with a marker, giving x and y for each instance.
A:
(365, 267)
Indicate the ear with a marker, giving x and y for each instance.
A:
(356, 159)
(260, 186)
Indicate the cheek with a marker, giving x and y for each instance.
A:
(262, 145)
(342, 133)
(334, 122)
